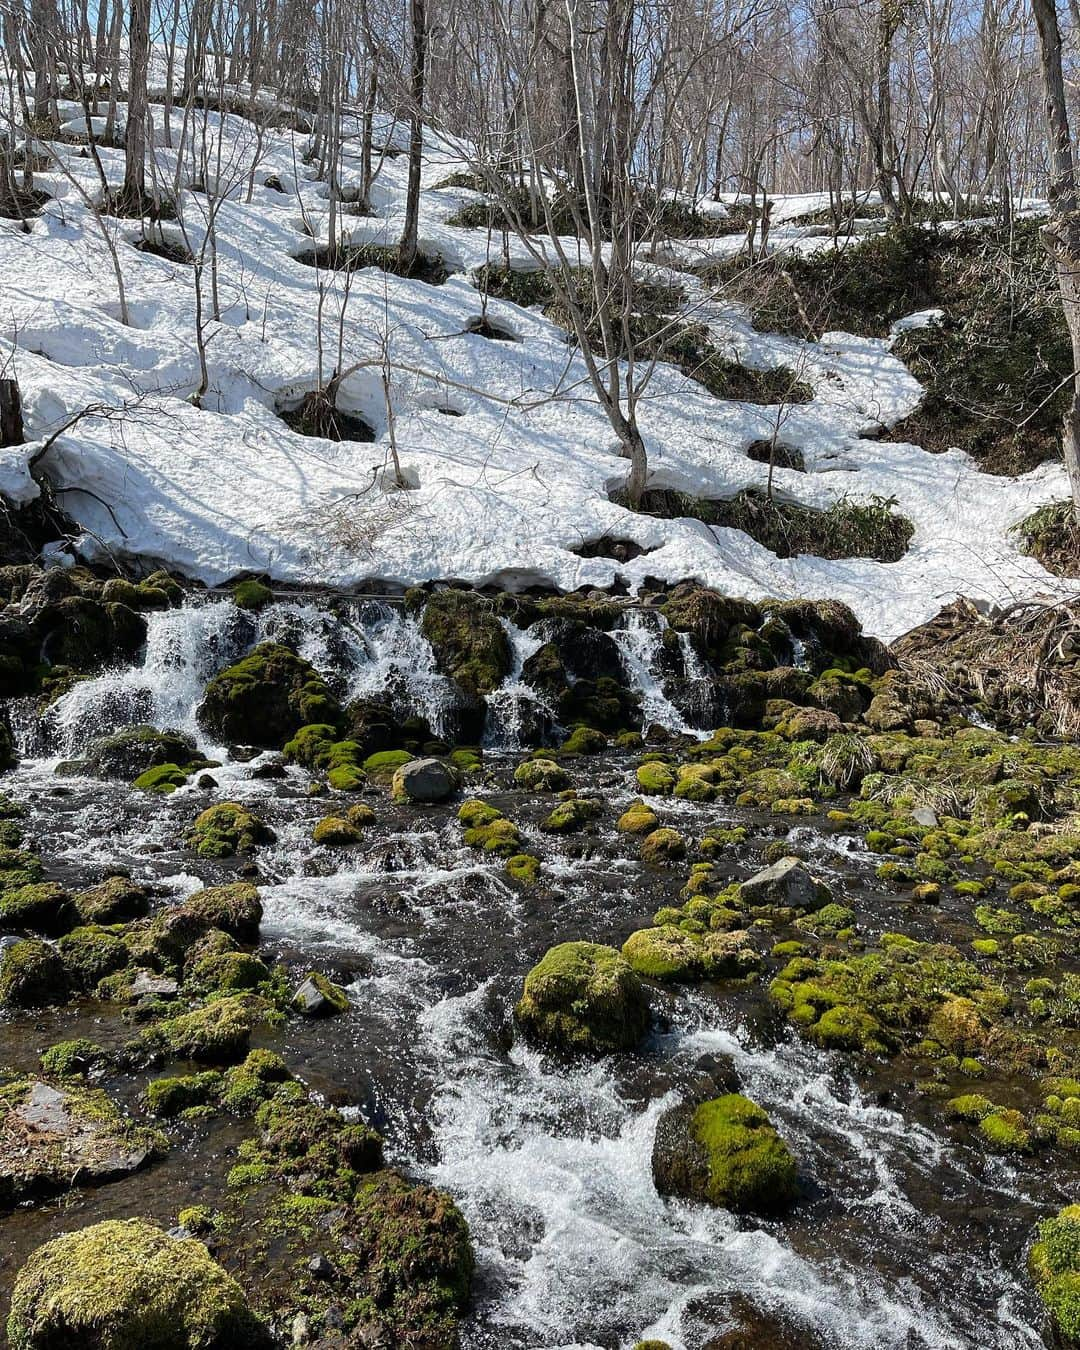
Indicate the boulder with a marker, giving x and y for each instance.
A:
(469, 642)
(8, 758)
(115, 900)
(236, 909)
(668, 953)
(265, 698)
(583, 998)
(726, 1152)
(228, 829)
(32, 975)
(56, 1137)
(135, 750)
(1054, 1264)
(320, 997)
(424, 780)
(125, 1283)
(787, 884)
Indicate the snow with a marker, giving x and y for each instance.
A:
(505, 492)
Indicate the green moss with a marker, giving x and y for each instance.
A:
(1054, 1263)
(346, 778)
(42, 905)
(32, 975)
(1005, 1131)
(500, 836)
(335, 832)
(173, 1096)
(216, 964)
(265, 698)
(227, 829)
(571, 815)
(662, 845)
(247, 1085)
(583, 998)
(235, 908)
(523, 868)
(383, 764)
(541, 775)
(90, 953)
(655, 778)
(74, 1059)
(584, 741)
(124, 1284)
(750, 1168)
(162, 778)
(469, 642)
(637, 819)
(252, 595)
(215, 1034)
(970, 1106)
(475, 812)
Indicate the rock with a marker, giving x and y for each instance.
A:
(115, 900)
(663, 845)
(469, 642)
(579, 672)
(218, 1033)
(7, 742)
(43, 906)
(925, 815)
(810, 724)
(787, 884)
(668, 953)
(135, 750)
(726, 1152)
(236, 909)
(320, 997)
(335, 832)
(321, 1268)
(424, 780)
(32, 975)
(571, 815)
(146, 984)
(265, 698)
(637, 819)
(123, 1284)
(541, 775)
(228, 829)
(56, 1137)
(583, 998)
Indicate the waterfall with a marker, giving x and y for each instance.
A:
(641, 646)
(398, 663)
(185, 647)
(515, 710)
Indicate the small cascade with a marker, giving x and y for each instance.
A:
(185, 647)
(398, 664)
(517, 714)
(641, 647)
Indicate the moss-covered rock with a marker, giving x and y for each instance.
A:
(583, 998)
(656, 778)
(133, 751)
(228, 829)
(235, 908)
(570, 815)
(162, 779)
(1054, 1264)
(523, 868)
(218, 1033)
(217, 964)
(43, 906)
(116, 900)
(266, 698)
(541, 775)
(252, 595)
(637, 819)
(670, 953)
(469, 642)
(91, 952)
(319, 996)
(173, 1096)
(32, 975)
(724, 1151)
(74, 1058)
(662, 846)
(127, 1285)
(336, 832)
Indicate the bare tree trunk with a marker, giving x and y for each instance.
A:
(134, 189)
(409, 245)
(1062, 233)
(11, 420)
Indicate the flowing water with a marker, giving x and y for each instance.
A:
(905, 1238)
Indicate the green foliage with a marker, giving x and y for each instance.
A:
(583, 998)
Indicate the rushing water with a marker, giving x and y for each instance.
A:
(905, 1238)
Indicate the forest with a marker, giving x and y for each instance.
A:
(539, 675)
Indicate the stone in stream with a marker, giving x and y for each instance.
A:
(424, 780)
(32, 975)
(320, 997)
(725, 1152)
(122, 1284)
(52, 1138)
(583, 998)
(787, 884)
(1054, 1265)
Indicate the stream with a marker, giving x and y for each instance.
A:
(904, 1238)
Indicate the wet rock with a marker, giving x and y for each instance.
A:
(319, 997)
(321, 1269)
(1054, 1265)
(810, 724)
(469, 642)
(56, 1137)
(726, 1152)
(265, 698)
(228, 829)
(541, 775)
(7, 742)
(424, 780)
(126, 1283)
(135, 750)
(579, 671)
(43, 906)
(583, 998)
(571, 815)
(663, 845)
(115, 900)
(786, 884)
(32, 975)
(236, 909)
(668, 953)
(146, 984)
(218, 1033)
(269, 769)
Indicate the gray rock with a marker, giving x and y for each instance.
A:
(925, 815)
(425, 780)
(788, 884)
(147, 984)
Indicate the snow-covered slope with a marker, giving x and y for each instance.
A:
(504, 492)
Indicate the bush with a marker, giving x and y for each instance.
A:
(1051, 536)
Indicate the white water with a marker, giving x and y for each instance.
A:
(640, 644)
(510, 704)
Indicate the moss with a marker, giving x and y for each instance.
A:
(124, 1284)
(541, 775)
(499, 836)
(247, 1085)
(969, 1106)
(252, 595)
(215, 964)
(655, 778)
(214, 1034)
(162, 779)
(475, 812)
(1054, 1264)
(637, 819)
(265, 698)
(115, 900)
(523, 868)
(661, 846)
(173, 1096)
(227, 829)
(346, 778)
(1005, 1131)
(584, 741)
(671, 953)
(75, 1058)
(335, 832)
(383, 764)
(90, 953)
(42, 905)
(32, 975)
(583, 998)
(469, 642)
(235, 908)
(571, 815)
